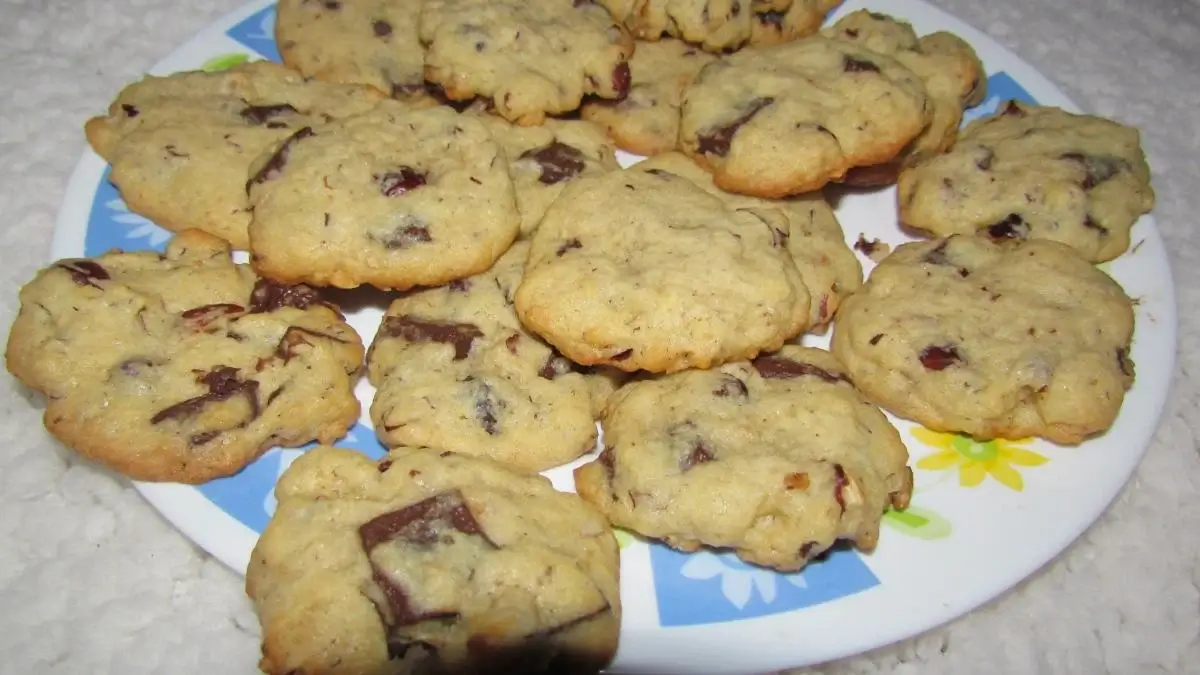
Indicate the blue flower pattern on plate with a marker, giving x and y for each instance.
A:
(112, 225)
(249, 495)
(691, 589)
(708, 587)
(1001, 87)
(258, 33)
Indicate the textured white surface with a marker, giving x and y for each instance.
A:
(93, 581)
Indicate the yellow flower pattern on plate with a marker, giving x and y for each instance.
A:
(976, 460)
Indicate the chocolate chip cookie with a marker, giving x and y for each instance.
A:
(543, 159)
(948, 67)
(721, 25)
(646, 270)
(182, 366)
(646, 121)
(394, 197)
(990, 338)
(777, 458)
(371, 42)
(454, 369)
(1035, 172)
(431, 562)
(181, 145)
(787, 119)
(530, 58)
(829, 268)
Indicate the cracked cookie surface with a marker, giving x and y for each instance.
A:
(992, 339)
(787, 119)
(394, 198)
(721, 25)
(181, 146)
(647, 270)
(455, 370)
(777, 458)
(431, 562)
(182, 366)
(529, 57)
(816, 242)
(1035, 172)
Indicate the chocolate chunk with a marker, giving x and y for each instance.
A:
(512, 342)
(807, 548)
(274, 395)
(939, 357)
(417, 523)
(661, 174)
(460, 335)
(1012, 109)
(273, 166)
(771, 18)
(1093, 225)
(875, 339)
(839, 484)
(735, 9)
(261, 114)
(331, 5)
(295, 336)
(621, 79)
(405, 236)
(867, 247)
(567, 246)
(780, 368)
(1097, 168)
(486, 408)
(1012, 227)
(716, 142)
(84, 272)
(197, 318)
(731, 387)
(384, 464)
(130, 110)
(402, 180)
(382, 28)
(223, 384)
(269, 296)
(558, 162)
(203, 437)
(851, 32)
(700, 454)
(853, 65)
(459, 285)
(537, 652)
(555, 365)
(1124, 362)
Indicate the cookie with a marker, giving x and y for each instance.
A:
(181, 145)
(372, 42)
(431, 562)
(1034, 172)
(646, 270)
(646, 121)
(394, 198)
(828, 267)
(182, 366)
(455, 370)
(543, 159)
(530, 58)
(948, 67)
(721, 25)
(992, 339)
(787, 119)
(778, 459)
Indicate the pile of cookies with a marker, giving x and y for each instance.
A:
(461, 154)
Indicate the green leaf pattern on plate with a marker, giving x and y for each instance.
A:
(224, 62)
(918, 522)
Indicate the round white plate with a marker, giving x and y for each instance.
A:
(983, 517)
